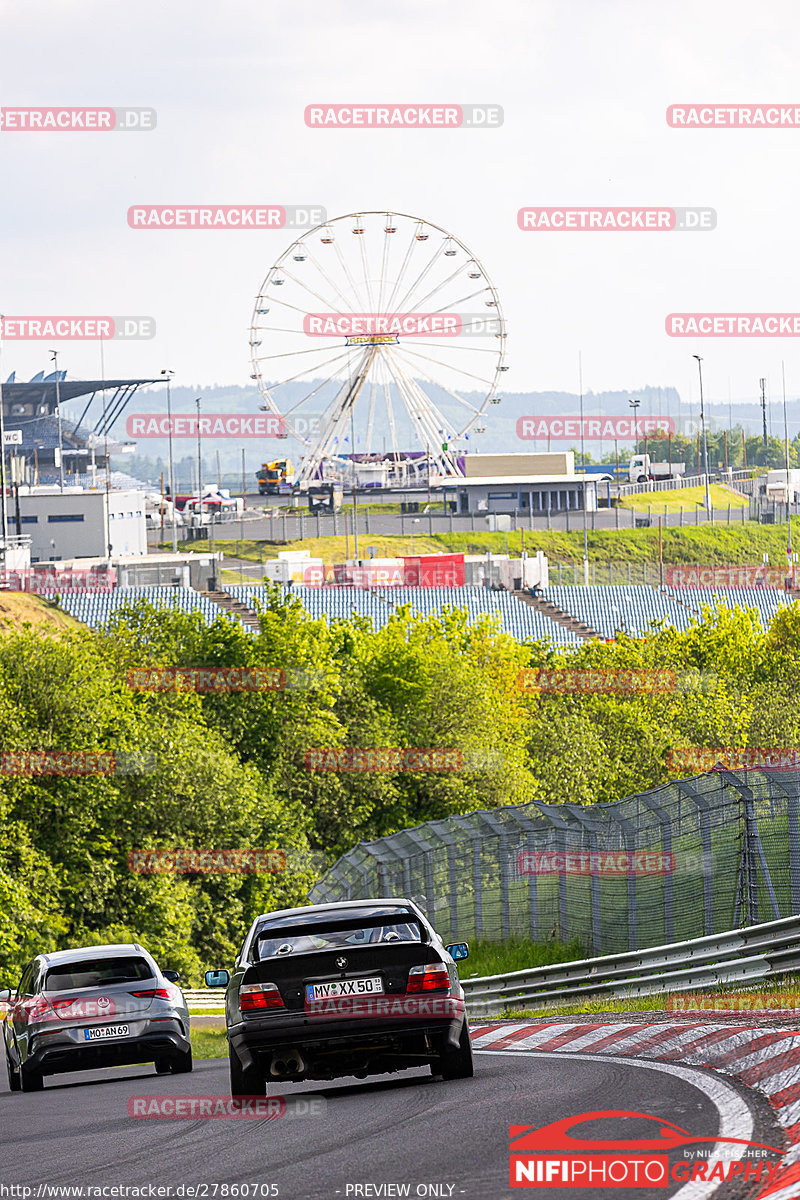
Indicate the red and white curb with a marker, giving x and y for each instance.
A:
(761, 1058)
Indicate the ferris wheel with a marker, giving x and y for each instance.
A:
(375, 335)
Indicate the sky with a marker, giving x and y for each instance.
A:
(584, 87)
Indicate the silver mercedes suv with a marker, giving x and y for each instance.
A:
(95, 1006)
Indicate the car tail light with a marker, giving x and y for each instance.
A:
(153, 994)
(37, 1009)
(433, 978)
(254, 996)
(62, 1005)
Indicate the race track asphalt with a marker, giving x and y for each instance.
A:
(407, 1129)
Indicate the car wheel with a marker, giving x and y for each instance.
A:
(32, 1081)
(181, 1064)
(458, 1064)
(162, 1066)
(13, 1076)
(245, 1081)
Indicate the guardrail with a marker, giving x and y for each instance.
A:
(745, 955)
(205, 998)
(674, 482)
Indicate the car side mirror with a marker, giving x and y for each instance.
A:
(218, 978)
(458, 950)
(171, 976)
(5, 995)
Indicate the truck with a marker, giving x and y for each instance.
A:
(641, 469)
(275, 476)
(776, 488)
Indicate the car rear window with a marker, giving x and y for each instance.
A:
(97, 972)
(272, 945)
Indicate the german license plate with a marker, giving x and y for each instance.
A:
(370, 986)
(100, 1032)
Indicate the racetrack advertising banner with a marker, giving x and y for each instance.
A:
(724, 577)
(593, 429)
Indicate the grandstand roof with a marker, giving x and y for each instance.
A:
(43, 391)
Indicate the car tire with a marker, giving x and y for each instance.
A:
(14, 1082)
(163, 1066)
(181, 1064)
(458, 1064)
(245, 1081)
(31, 1081)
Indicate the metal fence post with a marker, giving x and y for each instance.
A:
(666, 846)
(752, 853)
(688, 788)
(584, 819)
(561, 829)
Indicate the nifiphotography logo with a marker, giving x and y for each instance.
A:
(552, 1157)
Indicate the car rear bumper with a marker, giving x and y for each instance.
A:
(424, 1036)
(53, 1056)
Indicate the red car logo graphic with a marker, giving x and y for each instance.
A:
(556, 1137)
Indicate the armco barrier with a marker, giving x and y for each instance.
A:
(205, 998)
(745, 955)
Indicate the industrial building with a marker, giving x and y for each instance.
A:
(521, 484)
(81, 524)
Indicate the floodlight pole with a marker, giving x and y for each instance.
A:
(789, 552)
(355, 483)
(169, 375)
(199, 467)
(3, 457)
(703, 427)
(54, 356)
(583, 467)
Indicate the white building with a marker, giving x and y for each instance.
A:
(80, 524)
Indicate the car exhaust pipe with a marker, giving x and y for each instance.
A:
(291, 1063)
